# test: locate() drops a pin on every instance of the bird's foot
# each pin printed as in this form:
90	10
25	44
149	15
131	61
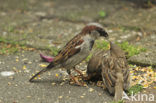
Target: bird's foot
81	74
76	81
46	58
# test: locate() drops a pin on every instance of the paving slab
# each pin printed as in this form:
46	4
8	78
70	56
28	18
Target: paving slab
49	89
147	58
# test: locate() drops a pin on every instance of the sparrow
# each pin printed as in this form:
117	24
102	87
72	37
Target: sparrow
115	71
94	66
76	50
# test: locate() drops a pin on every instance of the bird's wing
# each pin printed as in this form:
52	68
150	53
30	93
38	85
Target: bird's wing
106	72
71	48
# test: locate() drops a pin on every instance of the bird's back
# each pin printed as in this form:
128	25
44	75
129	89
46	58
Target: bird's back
115	71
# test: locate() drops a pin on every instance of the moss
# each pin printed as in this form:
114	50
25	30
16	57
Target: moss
102	14
131	49
128	48
135	89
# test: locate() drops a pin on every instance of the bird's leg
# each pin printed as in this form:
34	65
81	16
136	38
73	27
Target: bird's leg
78	71
73	78
83	77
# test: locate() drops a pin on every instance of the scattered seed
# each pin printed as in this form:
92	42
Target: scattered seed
53	83
99	94
56	75
28	96
9	83
24	67
29	62
43	65
83	94
17	59
60	97
62	83
91	89
35	78
49	73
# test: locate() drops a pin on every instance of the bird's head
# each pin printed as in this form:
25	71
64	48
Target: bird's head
116	50
95	30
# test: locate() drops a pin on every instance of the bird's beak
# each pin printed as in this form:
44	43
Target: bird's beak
103	33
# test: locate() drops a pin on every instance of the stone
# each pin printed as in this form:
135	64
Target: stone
144	59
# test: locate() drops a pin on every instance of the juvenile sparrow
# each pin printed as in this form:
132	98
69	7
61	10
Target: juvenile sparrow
76	50
115	71
94	66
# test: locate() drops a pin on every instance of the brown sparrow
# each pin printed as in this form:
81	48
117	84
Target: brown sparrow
115	71
76	50
94	66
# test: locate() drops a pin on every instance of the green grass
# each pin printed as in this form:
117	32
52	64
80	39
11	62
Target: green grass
3	40
128	48
53	50
101	44
135	89
9	46
102	14
120	101
131	49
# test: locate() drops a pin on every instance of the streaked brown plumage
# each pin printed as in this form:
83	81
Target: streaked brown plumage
113	67
115	71
76	50
94	66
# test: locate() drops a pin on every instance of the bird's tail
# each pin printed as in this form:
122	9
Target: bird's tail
50	66
119	87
